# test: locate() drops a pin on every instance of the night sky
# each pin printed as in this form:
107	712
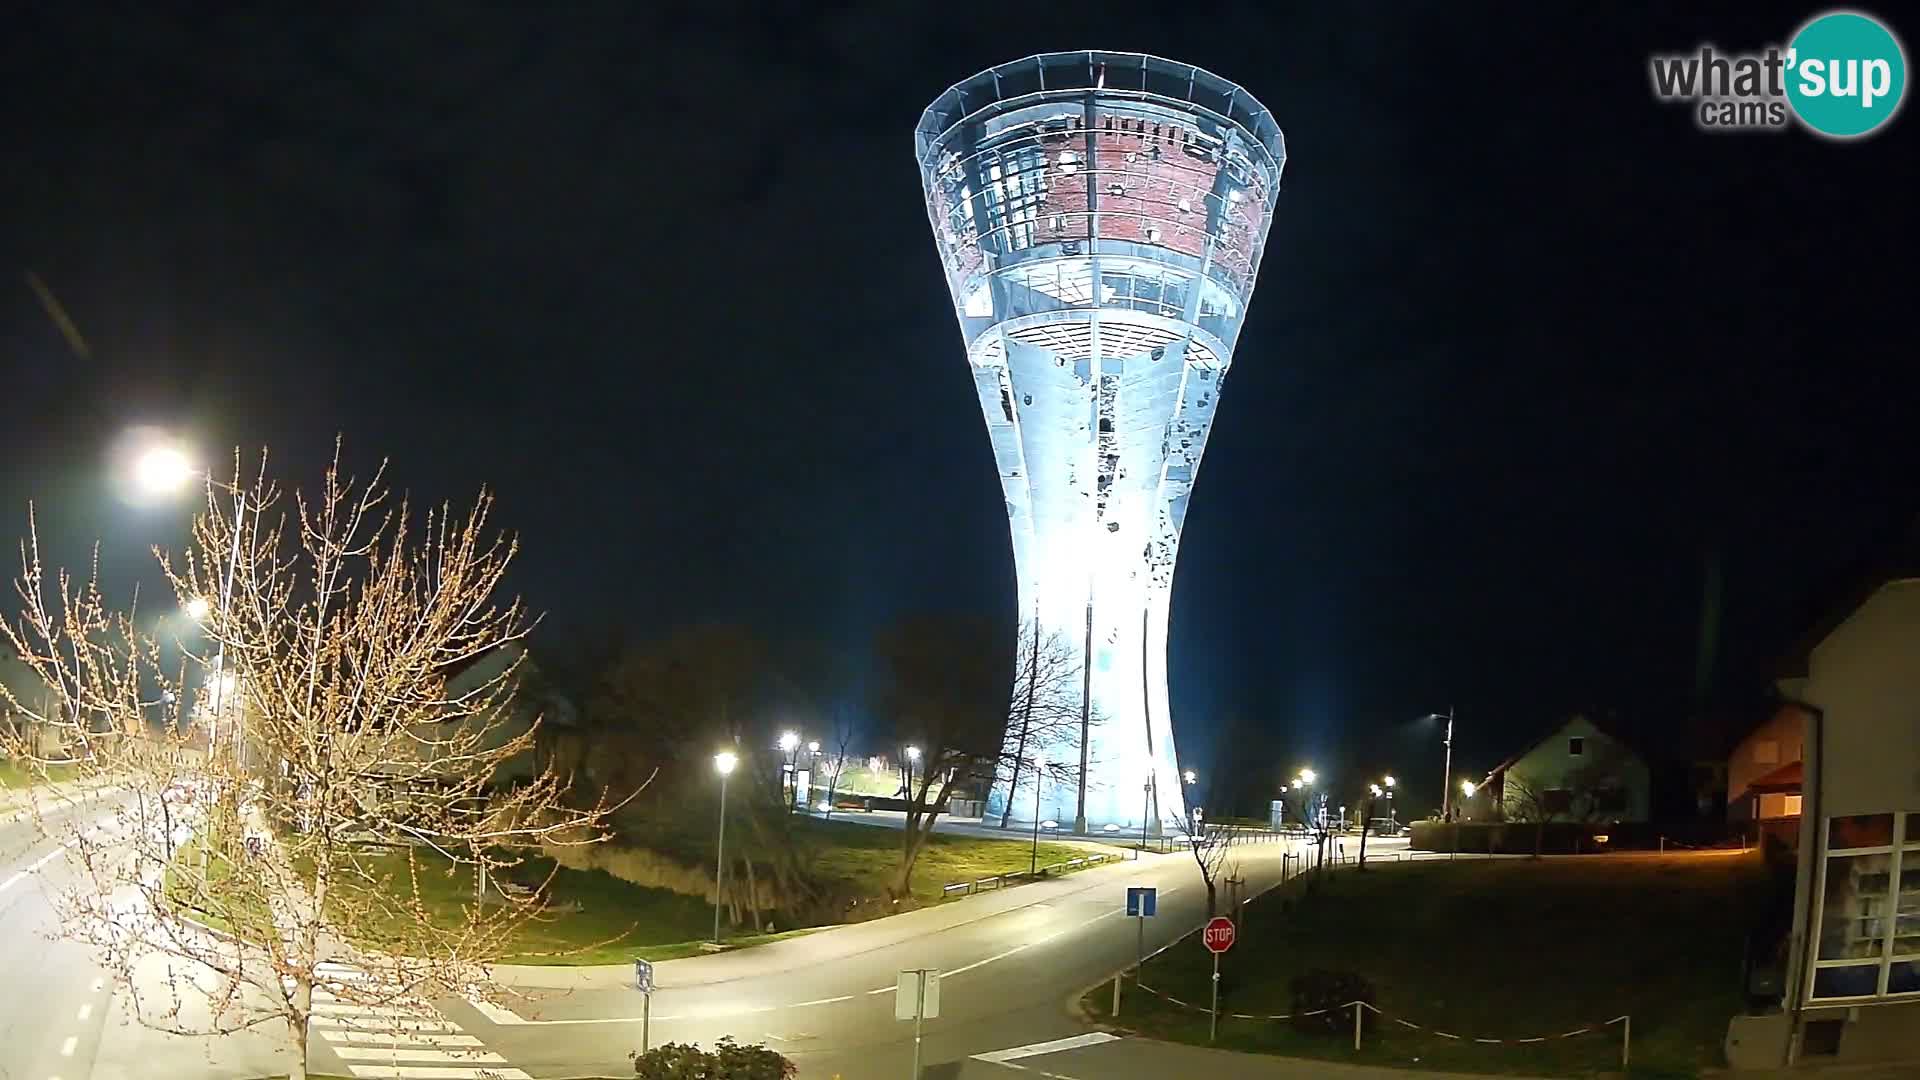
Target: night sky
1528	352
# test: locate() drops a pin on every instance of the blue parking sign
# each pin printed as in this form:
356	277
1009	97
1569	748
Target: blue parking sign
1141	900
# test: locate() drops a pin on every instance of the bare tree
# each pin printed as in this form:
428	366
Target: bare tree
842	739
1044	709
1528	800
1210	846
293	782
943	691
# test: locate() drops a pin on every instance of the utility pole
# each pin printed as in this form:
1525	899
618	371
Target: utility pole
1446	781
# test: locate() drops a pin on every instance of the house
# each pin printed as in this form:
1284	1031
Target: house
1764	772
1580	772
1851	989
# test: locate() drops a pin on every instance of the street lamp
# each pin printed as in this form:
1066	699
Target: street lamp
813	747
1306	778
1376	790
1190	777
1467	788
723	763
913	756
1446	775
165	469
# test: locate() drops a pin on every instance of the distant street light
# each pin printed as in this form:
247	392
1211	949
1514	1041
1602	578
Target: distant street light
1306	778
197	608
813	747
913	753
1190	777
1390	781
1467	788
1376	790
723	763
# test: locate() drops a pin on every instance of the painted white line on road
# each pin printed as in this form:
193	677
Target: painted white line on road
398	1012
440	1073
66	1048
85	1011
1091	1038
37	864
398	1038
499	1014
412	1055
383	1026
820	1001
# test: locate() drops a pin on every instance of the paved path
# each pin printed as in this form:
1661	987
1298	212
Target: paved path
1105	1057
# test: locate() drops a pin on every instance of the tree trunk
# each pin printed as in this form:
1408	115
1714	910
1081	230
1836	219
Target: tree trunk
1364	822
1213	907
1026	726
297	1026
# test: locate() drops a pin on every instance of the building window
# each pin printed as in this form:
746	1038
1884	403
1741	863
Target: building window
1766	752
1576	746
1556	800
1868	913
1791	807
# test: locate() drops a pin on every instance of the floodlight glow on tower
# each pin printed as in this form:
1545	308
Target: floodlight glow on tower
1101	218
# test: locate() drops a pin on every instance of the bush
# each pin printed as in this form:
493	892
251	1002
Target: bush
1325	993
726	1061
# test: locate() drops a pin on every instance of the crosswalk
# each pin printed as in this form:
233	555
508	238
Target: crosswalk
402	1040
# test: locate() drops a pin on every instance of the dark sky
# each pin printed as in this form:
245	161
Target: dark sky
1527	349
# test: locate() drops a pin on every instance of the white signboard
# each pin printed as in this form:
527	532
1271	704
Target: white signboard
917	996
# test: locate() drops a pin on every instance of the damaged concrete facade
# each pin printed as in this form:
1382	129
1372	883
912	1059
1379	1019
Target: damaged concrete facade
1101	218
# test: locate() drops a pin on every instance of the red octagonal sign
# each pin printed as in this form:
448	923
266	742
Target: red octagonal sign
1218	936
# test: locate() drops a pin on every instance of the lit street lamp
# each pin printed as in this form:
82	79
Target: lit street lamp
1190	777
1467	788
913	756
723	763
165	470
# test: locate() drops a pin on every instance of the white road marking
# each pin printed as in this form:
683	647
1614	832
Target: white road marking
412	1054
398	1038
85	1011
399	1012
821	1001
1091	1038
66	1048
499	1014
369	1023
440	1071
37	864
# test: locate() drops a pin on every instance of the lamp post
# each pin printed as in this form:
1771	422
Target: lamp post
1446	776
789	742
166	470
1390	782
723	763
913	756
1039	767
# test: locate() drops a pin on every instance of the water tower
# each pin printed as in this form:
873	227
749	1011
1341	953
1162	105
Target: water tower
1101	218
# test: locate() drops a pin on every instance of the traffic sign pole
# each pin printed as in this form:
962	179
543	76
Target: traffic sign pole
646	1020
1213	1025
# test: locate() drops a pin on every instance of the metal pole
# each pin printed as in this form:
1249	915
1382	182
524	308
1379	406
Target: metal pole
1140	947
1626	1042
720	859
1146	807
1213	1023
646	1020
1357	1007
1446	780
919	1008
1033	864
1116	998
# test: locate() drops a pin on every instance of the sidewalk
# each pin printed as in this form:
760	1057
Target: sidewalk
130	1050
1135	1058
823	946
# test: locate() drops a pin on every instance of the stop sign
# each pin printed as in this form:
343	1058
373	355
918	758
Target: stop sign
1218	936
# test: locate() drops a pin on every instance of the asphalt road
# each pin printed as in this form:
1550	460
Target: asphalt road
53	999
1010	963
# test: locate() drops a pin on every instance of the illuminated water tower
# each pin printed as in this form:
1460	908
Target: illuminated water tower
1101	218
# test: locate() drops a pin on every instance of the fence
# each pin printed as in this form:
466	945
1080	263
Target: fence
1293	865
1001	881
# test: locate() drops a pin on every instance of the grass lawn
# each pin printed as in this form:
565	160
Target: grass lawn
14	774
1504	949
616	921
863	857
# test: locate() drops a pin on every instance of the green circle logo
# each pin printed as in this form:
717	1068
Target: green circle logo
1846	74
